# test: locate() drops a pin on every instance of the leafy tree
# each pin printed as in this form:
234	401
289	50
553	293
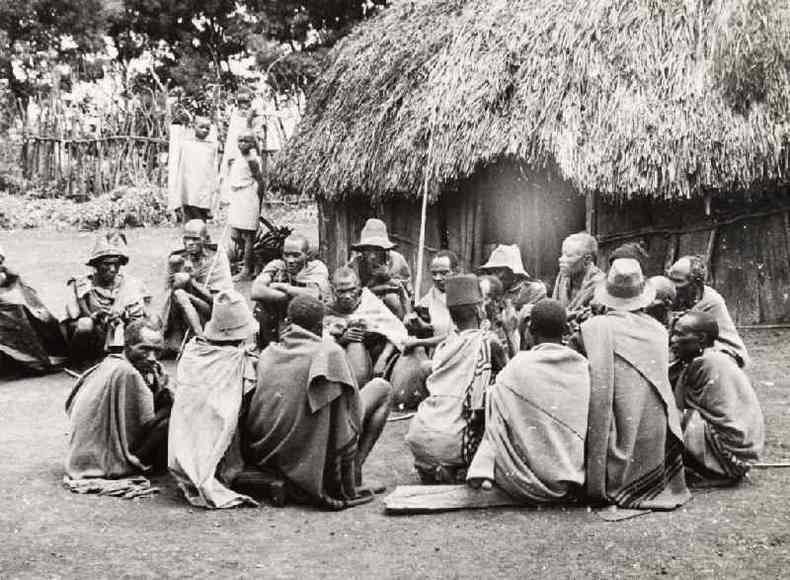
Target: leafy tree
37	34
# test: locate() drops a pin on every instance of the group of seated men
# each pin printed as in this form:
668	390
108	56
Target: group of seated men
561	399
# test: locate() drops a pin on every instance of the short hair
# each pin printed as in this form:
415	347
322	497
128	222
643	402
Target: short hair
306	311
301	238
496	290
548	318
634	251
703	322
698	270
451	256
133	332
665	289
588	242
463	312
344	273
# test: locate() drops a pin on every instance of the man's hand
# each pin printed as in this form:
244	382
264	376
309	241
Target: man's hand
352	334
281	286
181	279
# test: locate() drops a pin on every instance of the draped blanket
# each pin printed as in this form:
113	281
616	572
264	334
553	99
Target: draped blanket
457	385
723	425
436	303
305	416
729	340
196	179
29	333
377	317
536	426
108	410
576	302
211	381
634	440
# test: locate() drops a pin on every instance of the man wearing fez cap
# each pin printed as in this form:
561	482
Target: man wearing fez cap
448	426
634	440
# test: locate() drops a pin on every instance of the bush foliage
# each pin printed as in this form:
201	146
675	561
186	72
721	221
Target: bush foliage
123	207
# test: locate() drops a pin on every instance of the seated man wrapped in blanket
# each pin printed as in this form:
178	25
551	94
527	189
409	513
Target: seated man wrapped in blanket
536	418
723	425
363	326
119	411
634	440
308	423
214	374
29	334
444	434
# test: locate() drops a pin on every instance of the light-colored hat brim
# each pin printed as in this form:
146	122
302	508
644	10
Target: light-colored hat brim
211	332
382	243
519	271
644	299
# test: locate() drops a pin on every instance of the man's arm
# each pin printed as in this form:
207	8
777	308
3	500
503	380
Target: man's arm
292	291
263	290
381	363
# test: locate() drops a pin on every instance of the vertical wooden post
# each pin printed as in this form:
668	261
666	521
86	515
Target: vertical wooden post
709	252
589	213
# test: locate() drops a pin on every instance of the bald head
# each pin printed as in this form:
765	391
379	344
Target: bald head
195	229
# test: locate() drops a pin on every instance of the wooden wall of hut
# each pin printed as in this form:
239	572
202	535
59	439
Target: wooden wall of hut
502	204
745	243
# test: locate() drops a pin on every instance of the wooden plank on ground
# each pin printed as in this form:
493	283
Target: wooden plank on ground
422	499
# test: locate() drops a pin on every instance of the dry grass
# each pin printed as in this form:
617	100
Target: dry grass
630	98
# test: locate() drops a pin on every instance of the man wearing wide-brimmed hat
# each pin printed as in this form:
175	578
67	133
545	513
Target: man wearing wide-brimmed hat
381	268
448	426
521	291
634	439
214	373
102	302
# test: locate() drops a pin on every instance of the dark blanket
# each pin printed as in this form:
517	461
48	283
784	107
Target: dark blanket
29	334
305	417
634	439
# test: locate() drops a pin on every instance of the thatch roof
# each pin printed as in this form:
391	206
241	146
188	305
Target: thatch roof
664	98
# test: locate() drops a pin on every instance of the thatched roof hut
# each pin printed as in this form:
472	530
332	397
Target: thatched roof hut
621	101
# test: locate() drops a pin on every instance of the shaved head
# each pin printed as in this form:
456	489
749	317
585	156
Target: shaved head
700	322
195	229
548	319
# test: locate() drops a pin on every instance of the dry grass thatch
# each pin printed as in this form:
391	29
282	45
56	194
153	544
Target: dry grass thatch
660	98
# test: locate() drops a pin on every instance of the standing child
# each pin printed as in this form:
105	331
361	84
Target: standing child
196	179
244	198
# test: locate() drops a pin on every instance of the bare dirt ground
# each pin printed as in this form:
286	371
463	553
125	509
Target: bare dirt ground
47	532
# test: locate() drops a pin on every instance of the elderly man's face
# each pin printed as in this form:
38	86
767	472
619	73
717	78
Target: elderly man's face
440	270
107	270
193	244
680	275
294	255
347	294
685	340
144	354
572	261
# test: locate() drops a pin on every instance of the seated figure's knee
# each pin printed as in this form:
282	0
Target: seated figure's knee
379	390
181	296
84	325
